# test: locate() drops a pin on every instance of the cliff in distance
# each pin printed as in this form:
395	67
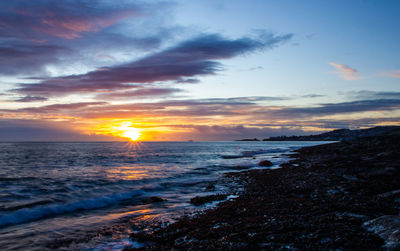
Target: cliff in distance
342	134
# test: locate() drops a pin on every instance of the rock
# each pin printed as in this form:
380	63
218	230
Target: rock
231	156
200	200
153	199
388	228
210	187
255	139
350	177
265	163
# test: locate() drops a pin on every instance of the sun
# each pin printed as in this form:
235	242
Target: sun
132	133
126	130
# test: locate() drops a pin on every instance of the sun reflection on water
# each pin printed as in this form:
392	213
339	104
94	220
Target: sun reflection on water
129	173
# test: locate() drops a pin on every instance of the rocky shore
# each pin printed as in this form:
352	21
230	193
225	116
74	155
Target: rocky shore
344	196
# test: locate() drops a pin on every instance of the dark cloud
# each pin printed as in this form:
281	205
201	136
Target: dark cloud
188	80
188	59
40	19
244	100
105	42
313	96
28	58
291	113
67	108
175	108
341	108
140	93
244	107
40	33
355	123
68	85
30	99
374	95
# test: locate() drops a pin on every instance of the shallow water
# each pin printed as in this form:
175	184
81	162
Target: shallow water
66	193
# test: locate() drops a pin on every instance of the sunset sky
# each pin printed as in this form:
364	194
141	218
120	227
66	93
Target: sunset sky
201	70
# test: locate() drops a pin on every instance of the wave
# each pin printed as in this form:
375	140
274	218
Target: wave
248	154
33	214
26	205
17	178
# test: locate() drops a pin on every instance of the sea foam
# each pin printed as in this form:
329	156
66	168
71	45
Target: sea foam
27	215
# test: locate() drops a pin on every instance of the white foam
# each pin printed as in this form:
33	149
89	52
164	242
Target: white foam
32	214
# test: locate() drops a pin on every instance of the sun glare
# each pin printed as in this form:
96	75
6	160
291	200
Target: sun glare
132	133
128	131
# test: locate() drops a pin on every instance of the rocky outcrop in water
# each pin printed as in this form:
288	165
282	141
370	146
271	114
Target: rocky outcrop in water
265	163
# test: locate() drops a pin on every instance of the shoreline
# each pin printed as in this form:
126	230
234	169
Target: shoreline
332	196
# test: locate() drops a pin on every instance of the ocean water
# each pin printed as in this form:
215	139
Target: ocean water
86	196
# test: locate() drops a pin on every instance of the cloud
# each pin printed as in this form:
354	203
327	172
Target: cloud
176	108
239	108
34	130
40	19
374	95
256	68
232	118
391	74
194	57
139	94
187	80
242	100
345	72
313	96
218	132
28	58
338	108
357	123
27	99
68	85
59	107
40	37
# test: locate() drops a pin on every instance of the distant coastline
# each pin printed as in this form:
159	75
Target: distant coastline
255	139
337	135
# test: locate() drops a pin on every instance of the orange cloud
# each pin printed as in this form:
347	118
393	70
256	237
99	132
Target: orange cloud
345	72
391	74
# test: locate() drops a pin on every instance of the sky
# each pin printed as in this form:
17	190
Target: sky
196	70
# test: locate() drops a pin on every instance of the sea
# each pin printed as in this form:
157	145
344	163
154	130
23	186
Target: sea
93	195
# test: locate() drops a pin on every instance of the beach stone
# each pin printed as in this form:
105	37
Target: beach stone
153	199
200	200
265	163
388	228
210	187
